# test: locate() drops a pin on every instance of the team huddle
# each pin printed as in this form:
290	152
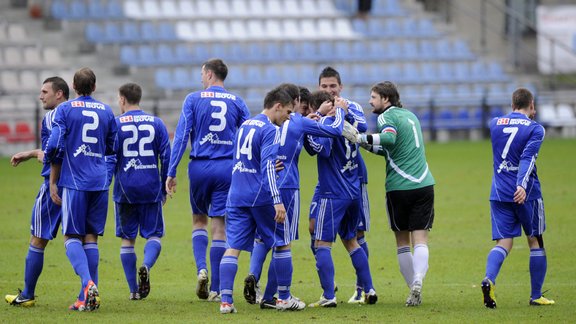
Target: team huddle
244	184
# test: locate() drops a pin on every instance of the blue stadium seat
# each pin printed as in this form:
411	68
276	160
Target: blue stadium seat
360	26
445	119
410	50
78	10
182	54
237	51
128	55
253	75
220	50
148	31
387	8
59	9
166	31
411	73
308	50
97	10
94	33
163	79
130	32
182	79
273	52
146	55
112	33
165	55
115	9
289	50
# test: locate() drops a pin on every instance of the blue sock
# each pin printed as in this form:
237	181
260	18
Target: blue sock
32	271
152	250
257	259
93	257
538	266
216	252
199	246
283	269
494	263
272	284
360	263
325	267
312	244
128	259
364	246
77	257
228	269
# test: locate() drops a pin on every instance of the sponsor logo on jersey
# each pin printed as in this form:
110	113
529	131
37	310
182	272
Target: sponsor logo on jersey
77	104
213	139
206	94
503	121
239	166
95	105
143	118
137	165
224	95
126	119
506	166
524	122
87	151
254	122
349	167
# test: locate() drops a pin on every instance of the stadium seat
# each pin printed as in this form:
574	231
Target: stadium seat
170	9
28	80
220	30
202	30
166	31
23	133
97	10
78	10
9	81
204	8
114	9
32	56
5	132
52	56
290	29
165	55
547	115
59	9
13	56
273	29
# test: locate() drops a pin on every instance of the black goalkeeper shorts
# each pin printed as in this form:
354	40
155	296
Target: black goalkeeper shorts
410	210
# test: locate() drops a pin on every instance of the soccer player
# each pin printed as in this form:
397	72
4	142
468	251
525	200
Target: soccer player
83	133
210	118
409	182
330	81
46	215
338	211
255	203
139	190
516	196
292	138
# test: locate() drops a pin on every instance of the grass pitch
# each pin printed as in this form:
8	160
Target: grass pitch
459	243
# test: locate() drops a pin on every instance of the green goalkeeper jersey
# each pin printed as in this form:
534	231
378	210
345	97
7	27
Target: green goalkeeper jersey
400	137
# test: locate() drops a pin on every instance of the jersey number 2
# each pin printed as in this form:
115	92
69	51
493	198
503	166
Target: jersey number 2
134	138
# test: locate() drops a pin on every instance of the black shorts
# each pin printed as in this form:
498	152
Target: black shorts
410	210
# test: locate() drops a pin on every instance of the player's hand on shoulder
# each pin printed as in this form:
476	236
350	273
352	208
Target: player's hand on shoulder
341	103
314	116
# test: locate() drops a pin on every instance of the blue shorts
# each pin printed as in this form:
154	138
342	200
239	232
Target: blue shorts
209	185
291	200
46	215
243	222
364	224
508	218
313	213
147	217
337	216
84	212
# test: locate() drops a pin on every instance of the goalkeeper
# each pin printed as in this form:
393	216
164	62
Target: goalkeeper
409	182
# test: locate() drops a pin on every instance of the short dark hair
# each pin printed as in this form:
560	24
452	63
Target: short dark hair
58	84
521	98
132	92
318	97
277	95
304	95
291	89
218	67
84	81
388	90
330	72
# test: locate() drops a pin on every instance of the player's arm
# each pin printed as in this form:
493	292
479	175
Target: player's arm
376	149
244	113
356	117
268	154
164	156
181	136
387	137
320	129
528	162
54	177
20	157
56	139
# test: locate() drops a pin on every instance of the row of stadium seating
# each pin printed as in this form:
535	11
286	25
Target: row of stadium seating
193	9
263	29
255	75
360	51
20	132
21	81
29	56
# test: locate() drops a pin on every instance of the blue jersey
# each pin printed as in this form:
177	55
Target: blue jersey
253	175
291	139
337	166
210	118
355	116
516	140
142	144
45	131
83	132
